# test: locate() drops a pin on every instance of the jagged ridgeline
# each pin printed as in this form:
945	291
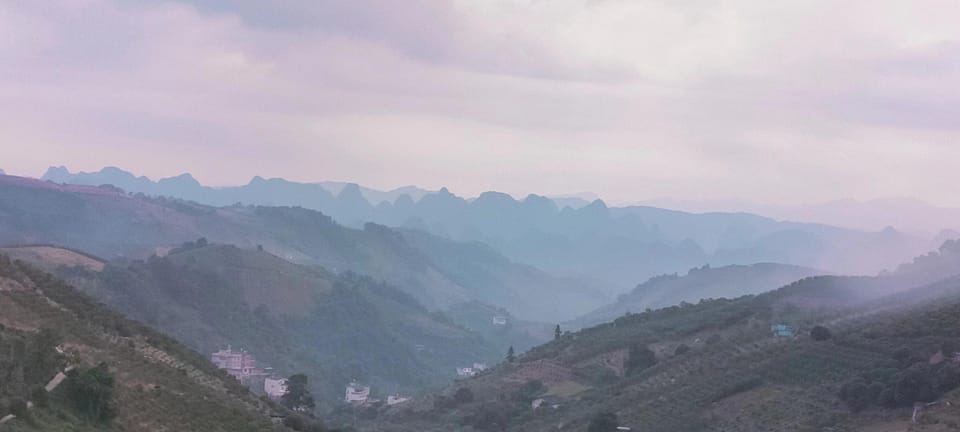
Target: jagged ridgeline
438	272
70	363
824	353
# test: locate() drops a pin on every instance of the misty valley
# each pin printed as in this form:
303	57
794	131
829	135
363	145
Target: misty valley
479	216
403	314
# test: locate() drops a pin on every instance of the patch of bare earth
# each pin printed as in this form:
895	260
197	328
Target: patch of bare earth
548	372
54	256
614	360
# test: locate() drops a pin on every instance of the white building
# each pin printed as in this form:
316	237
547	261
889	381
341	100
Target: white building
466	372
499	320
357	393
397	399
275	388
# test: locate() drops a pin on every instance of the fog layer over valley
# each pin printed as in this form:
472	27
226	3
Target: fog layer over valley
448	307
614	247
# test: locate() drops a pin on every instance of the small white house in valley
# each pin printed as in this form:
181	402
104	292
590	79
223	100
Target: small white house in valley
274	388
396	399
357	393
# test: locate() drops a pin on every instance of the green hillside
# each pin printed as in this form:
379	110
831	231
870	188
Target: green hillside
124	375
491	278
699	283
334	328
716	366
109	223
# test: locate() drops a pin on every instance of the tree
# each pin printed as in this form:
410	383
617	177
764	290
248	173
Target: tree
297	397
857	395
681	349
556	332
43	360
529	391
510	355
913	385
639	357
604	422
949	348
91	392
820	333
463	396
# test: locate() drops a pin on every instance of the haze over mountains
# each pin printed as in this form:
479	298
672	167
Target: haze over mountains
110	223
400	294
613	246
906	214
699	283
852	354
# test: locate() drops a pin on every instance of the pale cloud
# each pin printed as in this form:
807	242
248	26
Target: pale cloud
784	101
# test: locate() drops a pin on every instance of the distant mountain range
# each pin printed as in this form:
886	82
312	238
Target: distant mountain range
438	272
905	214
615	247
698	284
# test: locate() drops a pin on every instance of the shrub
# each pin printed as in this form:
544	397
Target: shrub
639	358
714	339
820	333
301	424
18	407
529	391
91	392
604	422
39	397
463	396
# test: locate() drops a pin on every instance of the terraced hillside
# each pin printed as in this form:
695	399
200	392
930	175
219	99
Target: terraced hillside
334	328
882	345
120	374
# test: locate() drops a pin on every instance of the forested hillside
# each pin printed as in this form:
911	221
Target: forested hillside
848	354
613	245
114	373
335	328
699	283
109	223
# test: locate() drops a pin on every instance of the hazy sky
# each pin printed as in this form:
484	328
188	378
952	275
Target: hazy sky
782	101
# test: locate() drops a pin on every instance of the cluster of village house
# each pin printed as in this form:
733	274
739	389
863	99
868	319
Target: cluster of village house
243	366
469	371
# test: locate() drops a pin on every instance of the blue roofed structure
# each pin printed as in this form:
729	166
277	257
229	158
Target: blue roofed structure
782	330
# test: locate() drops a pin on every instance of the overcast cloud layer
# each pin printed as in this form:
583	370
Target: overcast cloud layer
785	101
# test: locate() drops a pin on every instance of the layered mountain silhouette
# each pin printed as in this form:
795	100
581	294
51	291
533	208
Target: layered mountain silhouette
438	272
822	353
698	284
609	245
